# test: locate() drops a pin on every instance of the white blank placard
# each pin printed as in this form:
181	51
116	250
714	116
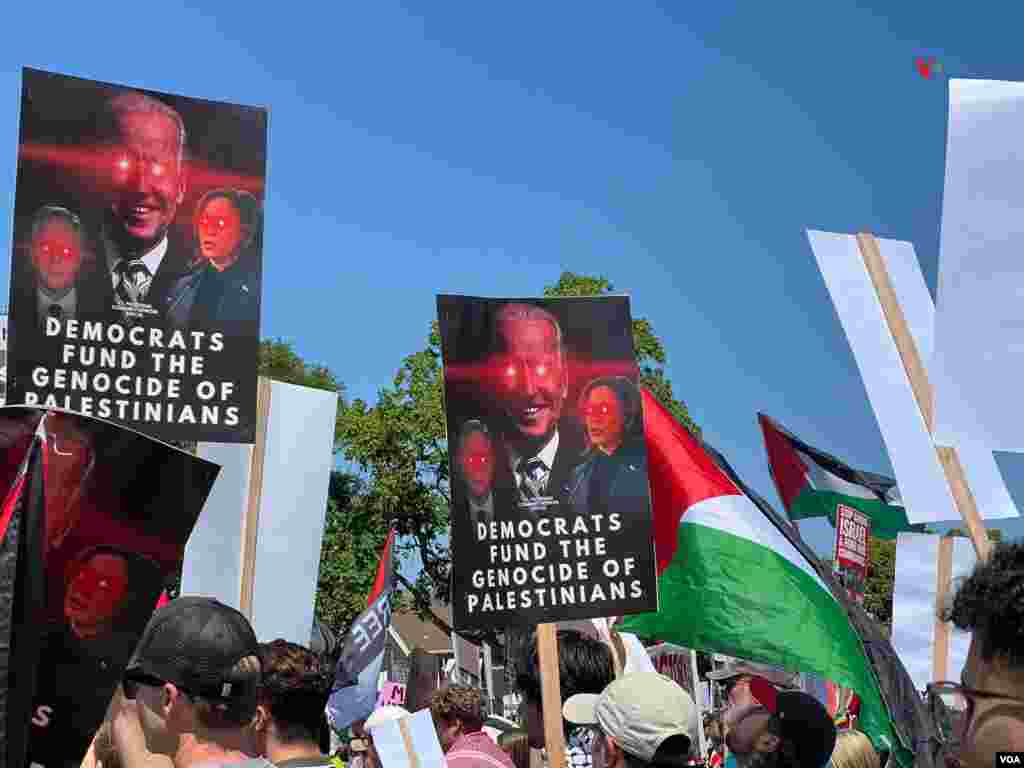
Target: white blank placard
914	609
979	331
983	475
297	463
919	475
213	556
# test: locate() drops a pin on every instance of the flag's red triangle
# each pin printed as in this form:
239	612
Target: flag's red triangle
384	570
788	471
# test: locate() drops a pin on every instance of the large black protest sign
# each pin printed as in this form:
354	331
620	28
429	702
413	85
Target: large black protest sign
93	525
551	514
136	271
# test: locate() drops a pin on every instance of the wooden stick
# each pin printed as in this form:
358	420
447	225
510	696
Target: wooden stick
551	694
410	750
944	573
251	521
922	389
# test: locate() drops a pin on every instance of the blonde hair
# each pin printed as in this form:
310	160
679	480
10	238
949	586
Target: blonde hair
234	713
854	750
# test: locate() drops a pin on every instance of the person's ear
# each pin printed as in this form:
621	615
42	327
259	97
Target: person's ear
261	720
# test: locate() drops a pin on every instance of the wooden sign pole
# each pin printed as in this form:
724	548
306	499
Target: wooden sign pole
944	573
551	694
414	760
251	521
922	389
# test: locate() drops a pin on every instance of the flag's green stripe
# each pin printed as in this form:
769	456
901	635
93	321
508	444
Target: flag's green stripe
725	594
886	520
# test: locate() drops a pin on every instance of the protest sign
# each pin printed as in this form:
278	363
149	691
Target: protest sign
408	742
136	269
94	523
851	549
392	694
551	514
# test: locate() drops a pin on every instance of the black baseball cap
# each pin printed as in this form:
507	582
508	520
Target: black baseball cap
194	643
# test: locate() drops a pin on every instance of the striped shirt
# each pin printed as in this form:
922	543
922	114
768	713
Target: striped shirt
477	750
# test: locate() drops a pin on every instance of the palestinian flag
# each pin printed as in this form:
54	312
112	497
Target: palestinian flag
811	483
734	580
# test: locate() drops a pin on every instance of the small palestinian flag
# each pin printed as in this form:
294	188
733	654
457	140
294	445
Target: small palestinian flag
812	483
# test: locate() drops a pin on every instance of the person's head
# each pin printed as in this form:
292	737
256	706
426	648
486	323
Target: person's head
610	407
641	719
534	374
790	729
95	589
516	745
195	675
380	716
854	750
56	248
584	666
735	678
990	605
226	223
476	458
292	700
457	710
147	139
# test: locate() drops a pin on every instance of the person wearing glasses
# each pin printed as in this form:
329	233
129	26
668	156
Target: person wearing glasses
984	713
191	690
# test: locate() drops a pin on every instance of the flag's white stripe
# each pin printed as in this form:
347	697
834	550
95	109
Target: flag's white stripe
823	480
739	516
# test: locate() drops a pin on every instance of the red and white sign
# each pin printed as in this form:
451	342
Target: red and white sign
852	528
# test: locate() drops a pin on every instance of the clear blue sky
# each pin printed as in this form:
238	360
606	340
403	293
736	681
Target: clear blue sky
679	149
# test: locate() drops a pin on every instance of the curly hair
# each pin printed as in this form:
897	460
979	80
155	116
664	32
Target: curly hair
458	702
990	603
296	685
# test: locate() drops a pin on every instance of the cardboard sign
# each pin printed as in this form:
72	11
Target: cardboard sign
551	512
409	742
94	522
391	694
136	271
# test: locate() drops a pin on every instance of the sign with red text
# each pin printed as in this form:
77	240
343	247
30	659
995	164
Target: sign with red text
851	549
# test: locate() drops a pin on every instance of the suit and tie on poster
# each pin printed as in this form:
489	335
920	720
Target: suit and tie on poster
551	513
93	525
136	272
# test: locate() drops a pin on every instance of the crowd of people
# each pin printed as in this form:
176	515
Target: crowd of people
200	690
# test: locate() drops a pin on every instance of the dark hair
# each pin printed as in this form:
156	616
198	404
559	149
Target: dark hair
295	687
144	580
584	666
626	393
990	603
247	205
458	702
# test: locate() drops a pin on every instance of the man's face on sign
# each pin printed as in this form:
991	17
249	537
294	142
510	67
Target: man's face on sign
149	182
95	590
477	459
533	375
57	254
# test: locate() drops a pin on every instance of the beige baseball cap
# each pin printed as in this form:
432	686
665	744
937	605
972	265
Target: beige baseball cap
640	711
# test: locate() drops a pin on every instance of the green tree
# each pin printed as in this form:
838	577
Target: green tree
879	583
400	443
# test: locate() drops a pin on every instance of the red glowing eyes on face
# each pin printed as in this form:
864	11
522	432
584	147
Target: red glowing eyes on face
539	370
124	166
597	411
207	223
477	460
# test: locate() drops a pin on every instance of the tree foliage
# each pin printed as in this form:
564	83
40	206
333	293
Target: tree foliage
400	444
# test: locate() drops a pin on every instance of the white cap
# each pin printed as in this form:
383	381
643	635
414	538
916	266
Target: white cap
384	714
638	710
